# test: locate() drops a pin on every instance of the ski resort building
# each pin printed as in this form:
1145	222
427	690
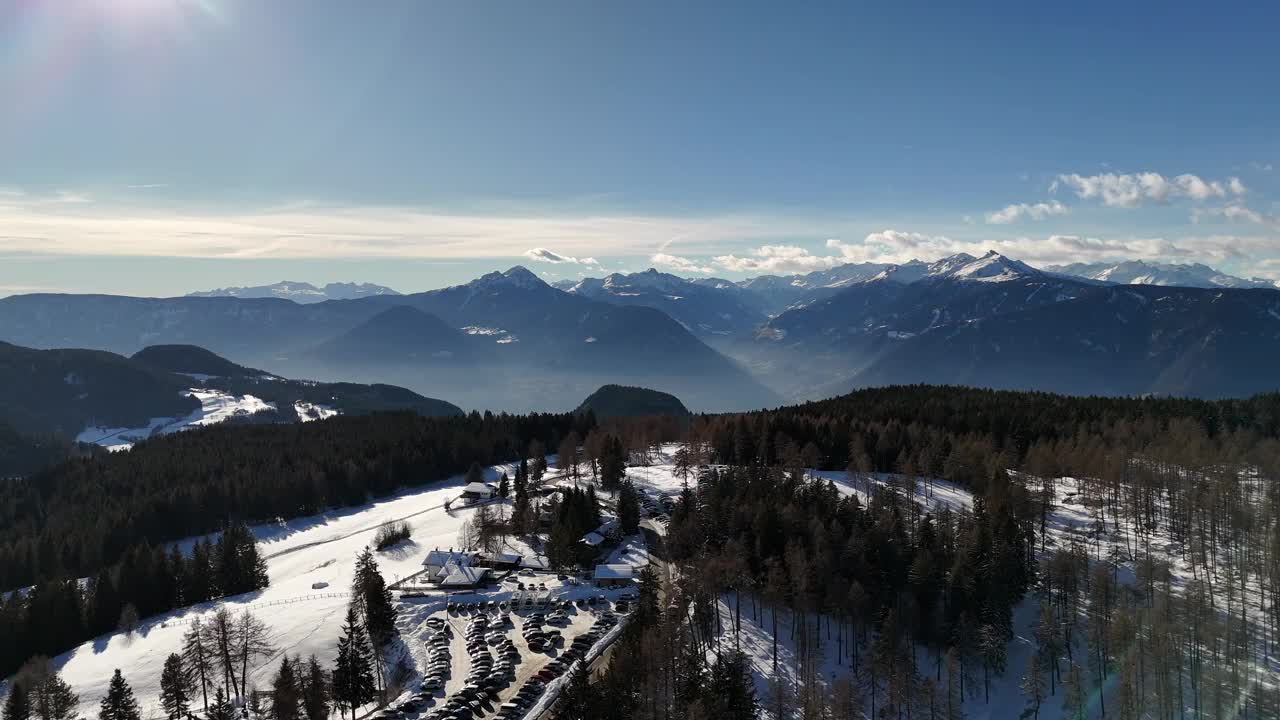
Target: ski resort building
610	576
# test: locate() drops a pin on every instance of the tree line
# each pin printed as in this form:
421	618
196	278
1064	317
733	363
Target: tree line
54	616
87	513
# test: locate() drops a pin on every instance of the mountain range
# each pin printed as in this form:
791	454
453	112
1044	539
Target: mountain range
509	341
506	340
301	292
1140	272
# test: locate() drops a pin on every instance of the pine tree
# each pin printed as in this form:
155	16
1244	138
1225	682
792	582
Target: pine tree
315	691
119	702
53	698
221	708
375	599
285	694
730	692
628	507
175	688
353	683
17	706
579	700
504	485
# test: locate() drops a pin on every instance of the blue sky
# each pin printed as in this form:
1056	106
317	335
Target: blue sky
161	146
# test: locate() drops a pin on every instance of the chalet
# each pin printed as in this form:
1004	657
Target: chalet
607	576
462	576
437	560
478	491
594	539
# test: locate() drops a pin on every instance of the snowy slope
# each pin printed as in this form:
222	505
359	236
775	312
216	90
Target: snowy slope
304	620
215	407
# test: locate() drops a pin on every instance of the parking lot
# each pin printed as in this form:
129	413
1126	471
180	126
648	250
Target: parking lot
491	653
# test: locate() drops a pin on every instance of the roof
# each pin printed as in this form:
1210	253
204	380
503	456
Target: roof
464	575
501	557
613	572
445	557
478	488
593	538
608	527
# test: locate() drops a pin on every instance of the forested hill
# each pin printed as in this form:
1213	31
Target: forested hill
967	434
623	401
191	483
191	359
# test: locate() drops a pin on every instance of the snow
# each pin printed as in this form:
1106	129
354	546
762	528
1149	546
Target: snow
312	411
302	554
310	562
215	407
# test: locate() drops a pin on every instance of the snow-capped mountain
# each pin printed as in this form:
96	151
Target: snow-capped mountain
1141	272
301	292
721	309
778	292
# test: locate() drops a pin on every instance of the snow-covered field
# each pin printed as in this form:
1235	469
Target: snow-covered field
215	407
310	562
302	553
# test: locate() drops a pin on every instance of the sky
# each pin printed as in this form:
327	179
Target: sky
156	147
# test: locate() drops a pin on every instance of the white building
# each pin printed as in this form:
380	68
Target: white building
613	575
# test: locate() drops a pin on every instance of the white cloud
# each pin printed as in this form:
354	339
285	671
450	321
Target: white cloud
1134	189
679	264
545	255
777	259
1026	211
1235	211
71	224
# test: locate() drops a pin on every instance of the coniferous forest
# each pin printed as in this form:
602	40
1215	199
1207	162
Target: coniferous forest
111	517
916	603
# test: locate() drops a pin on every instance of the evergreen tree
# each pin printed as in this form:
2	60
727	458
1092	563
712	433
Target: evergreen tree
175	688
613	463
628	507
730	692
221	708
285	693
504	486
579	699
53	698
17	706
353	683
119	702
315	691
375	599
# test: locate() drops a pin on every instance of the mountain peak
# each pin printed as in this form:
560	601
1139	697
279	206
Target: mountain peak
517	276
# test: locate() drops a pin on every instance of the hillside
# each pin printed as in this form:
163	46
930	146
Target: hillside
63	391
191	360
104	399
622	401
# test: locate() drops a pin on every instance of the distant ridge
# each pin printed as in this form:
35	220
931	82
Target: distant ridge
301	292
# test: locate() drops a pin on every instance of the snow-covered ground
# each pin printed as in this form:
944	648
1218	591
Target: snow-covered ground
310	562
301	554
215	407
